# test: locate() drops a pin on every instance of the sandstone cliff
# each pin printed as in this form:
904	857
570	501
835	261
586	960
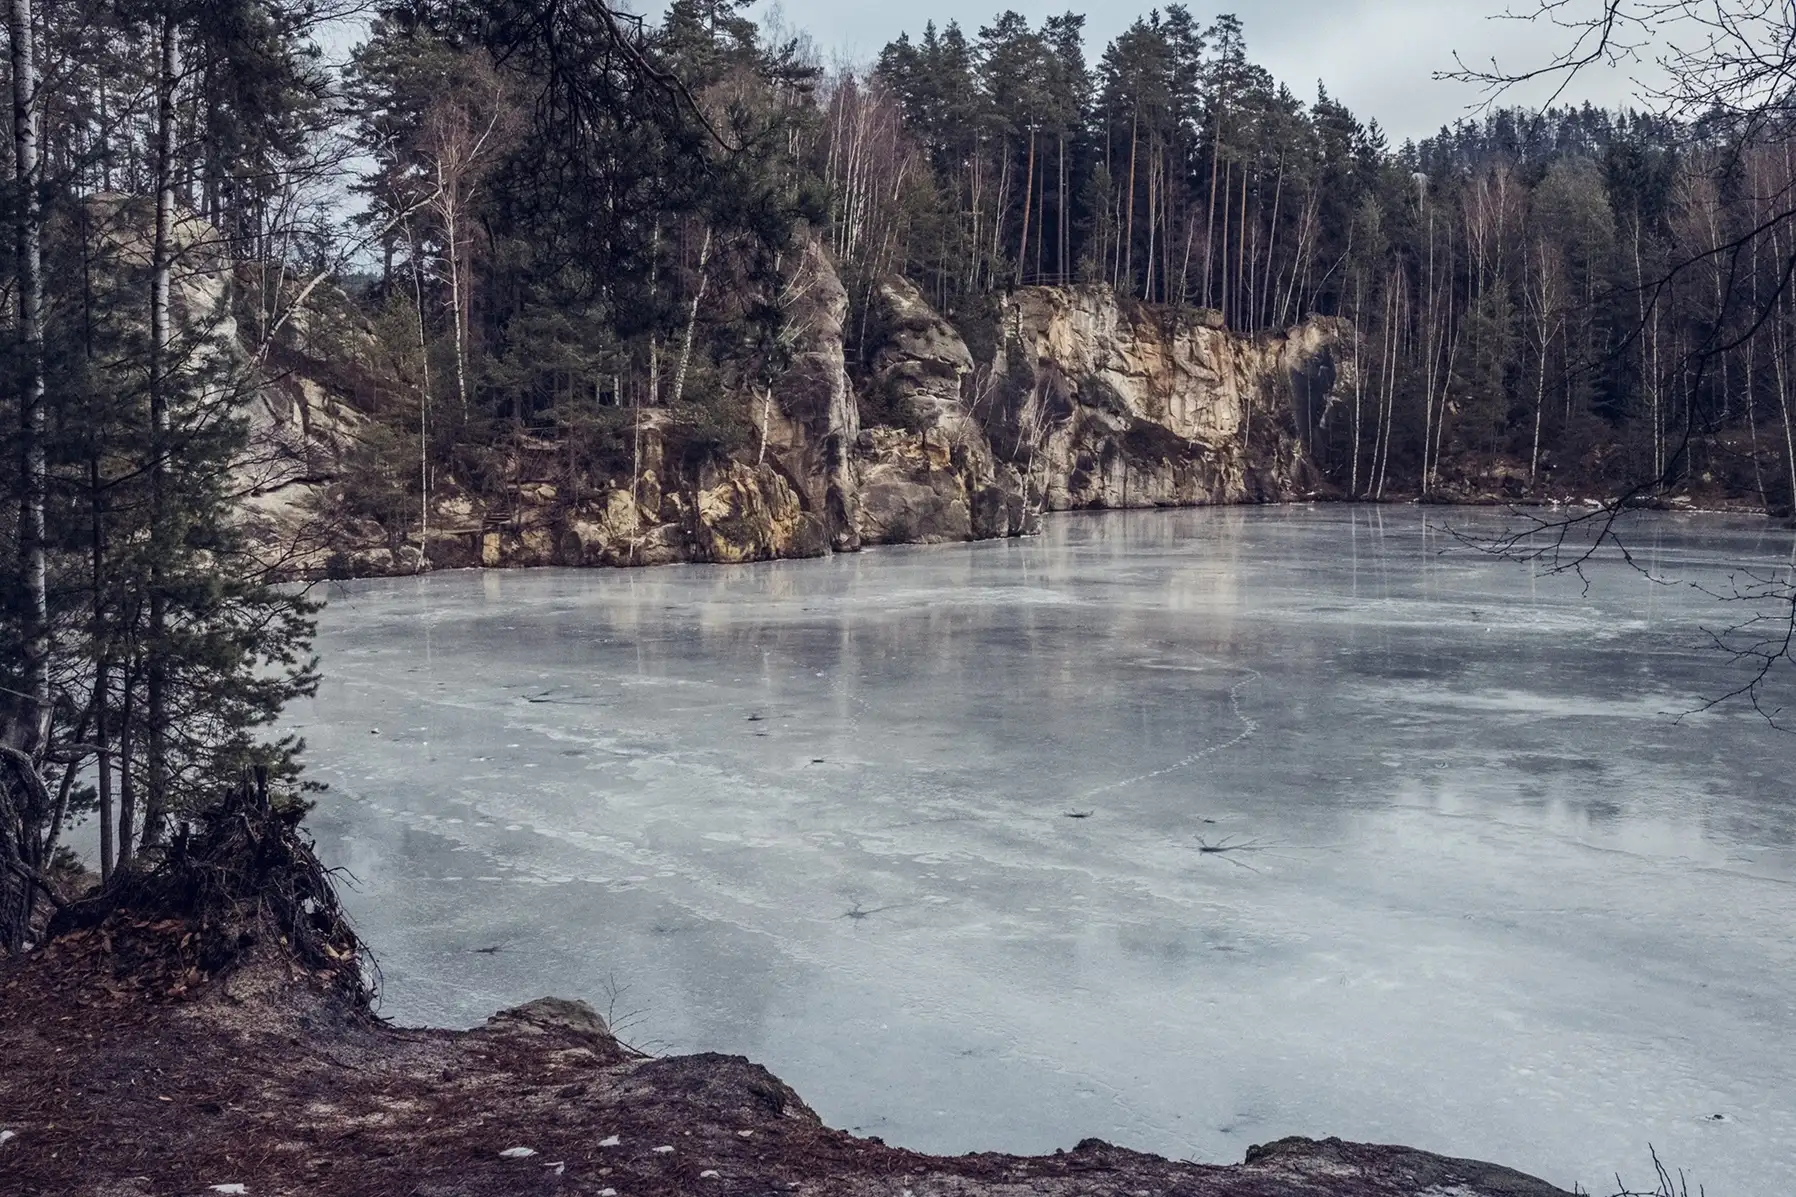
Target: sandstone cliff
927	472
1103	402
1086	400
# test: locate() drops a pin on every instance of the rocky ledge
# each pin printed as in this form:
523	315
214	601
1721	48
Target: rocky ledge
204	1025
1081	399
264	1083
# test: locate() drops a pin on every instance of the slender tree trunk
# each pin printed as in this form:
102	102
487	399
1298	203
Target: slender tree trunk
457	304
1041	216
1271	279
1241	257
1022	249
1153	169
64	787
698	297
1167	240
1780	364
1783	402
1646	370
1210	230
1359	311
423	403
105	132
1228	192
766	419
102	671
1752	345
999	208
162	254
127	773
654	338
1253	266
1540	408
1451	355
1062	268
1783	390
1394	311
33	728
1432	319
1129	227
1543	301
1183	296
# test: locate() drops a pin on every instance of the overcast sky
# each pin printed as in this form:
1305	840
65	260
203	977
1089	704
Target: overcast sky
1378	56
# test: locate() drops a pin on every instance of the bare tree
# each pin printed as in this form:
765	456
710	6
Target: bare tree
463	131
1731	66
1542	292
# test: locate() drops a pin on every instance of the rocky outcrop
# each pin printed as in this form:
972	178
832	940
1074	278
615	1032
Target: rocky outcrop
1087	400
791	492
540	1101
734	513
1104	402
297	379
304	423
808	418
928	474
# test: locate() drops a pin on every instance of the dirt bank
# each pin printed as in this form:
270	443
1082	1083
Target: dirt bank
121	1077
204	1025
117	1088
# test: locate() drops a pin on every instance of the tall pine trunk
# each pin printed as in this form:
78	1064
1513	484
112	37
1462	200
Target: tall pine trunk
1022	249
155	812
1227	197
1063	243
127	777
34	611
102	664
1243	299
1129	225
458	307
1359	312
423	401
1780	366
1210	230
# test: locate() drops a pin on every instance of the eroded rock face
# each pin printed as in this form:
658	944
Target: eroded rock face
810	421
928	474
1088	401
734	513
1103	402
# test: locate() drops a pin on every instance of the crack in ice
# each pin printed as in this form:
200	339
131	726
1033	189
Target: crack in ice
1249	728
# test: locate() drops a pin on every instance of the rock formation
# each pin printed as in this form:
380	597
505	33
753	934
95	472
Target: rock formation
1087	400
1104	402
540	1101
927	473
813	402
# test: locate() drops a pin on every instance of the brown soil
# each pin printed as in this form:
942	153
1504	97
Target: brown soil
203	1024
140	1080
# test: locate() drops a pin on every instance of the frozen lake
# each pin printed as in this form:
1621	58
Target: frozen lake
1490	897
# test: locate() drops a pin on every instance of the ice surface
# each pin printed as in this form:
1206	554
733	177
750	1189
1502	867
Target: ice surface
1494	898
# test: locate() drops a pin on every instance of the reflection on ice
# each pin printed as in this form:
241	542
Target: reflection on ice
1500	901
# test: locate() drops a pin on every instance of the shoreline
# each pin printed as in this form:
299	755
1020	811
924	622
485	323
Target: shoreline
1570	505
265	1077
